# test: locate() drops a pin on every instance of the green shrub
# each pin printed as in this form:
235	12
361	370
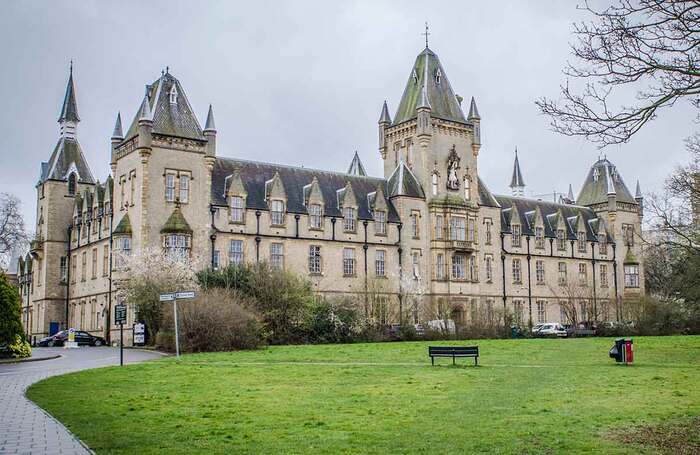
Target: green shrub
333	321
230	277
11	329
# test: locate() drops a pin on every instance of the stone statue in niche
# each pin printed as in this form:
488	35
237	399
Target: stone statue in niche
452	168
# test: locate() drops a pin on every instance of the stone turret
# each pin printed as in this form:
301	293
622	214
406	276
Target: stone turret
384	122
210	133
475	119
117	136
145	124
640	199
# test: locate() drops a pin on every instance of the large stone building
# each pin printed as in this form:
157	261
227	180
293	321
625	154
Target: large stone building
427	240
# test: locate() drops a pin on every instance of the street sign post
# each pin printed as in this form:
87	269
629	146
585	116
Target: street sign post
173	297
120	318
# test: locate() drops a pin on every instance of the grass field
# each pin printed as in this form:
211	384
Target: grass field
527	396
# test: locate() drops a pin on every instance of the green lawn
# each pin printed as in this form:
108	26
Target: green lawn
527	396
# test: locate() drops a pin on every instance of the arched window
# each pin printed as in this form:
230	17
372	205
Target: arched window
438	76
173	95
435	184
71	184
467	188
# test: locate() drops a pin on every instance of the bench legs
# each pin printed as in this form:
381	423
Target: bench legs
432	360
453	359
476	361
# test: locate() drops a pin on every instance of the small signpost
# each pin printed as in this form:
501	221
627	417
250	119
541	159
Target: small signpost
139	334
120	318
173	297
71	339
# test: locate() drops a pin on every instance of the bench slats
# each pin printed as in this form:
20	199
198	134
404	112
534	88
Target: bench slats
453	351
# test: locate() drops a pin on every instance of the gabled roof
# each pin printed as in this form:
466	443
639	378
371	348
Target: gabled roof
603	179
69	110
439	96
171	119
526	209
255	174
176	223
124	226
356	167
67	157
402	182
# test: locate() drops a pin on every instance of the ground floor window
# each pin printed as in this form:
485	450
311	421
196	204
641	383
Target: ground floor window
631	276
518	311
541	311
177	245
314	259
235	253
349	262
379	263
277	255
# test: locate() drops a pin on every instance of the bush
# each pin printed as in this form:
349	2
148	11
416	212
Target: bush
333	321
230	277
11	329
216	320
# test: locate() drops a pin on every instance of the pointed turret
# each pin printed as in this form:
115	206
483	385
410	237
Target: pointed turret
517	184
473	111
356	167
210	133
638	192
117	134
145	108
639	198
385	118
68	120
428	86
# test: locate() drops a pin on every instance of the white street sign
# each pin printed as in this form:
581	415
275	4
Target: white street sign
184	295
167	297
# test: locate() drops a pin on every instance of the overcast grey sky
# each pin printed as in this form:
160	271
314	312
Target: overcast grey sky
303	82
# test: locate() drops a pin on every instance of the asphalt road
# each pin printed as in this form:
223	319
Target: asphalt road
26	428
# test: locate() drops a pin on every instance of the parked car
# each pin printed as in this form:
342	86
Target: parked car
82	338
553	329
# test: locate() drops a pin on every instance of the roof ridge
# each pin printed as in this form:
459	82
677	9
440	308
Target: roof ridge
301	168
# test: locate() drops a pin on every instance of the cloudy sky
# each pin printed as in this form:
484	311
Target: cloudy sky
302	82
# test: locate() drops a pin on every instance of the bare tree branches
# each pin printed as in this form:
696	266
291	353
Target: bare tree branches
12	233
650	46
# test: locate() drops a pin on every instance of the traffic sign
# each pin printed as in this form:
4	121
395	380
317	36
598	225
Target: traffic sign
185	295
167	297
120	313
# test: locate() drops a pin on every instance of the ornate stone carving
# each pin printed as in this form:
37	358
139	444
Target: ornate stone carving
452	168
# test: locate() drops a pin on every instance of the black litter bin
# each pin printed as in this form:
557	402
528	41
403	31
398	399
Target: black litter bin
622	350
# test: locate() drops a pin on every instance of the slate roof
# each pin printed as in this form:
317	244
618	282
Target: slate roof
169	119
67	156
124	226
517	179
440	96
254	176
402	182
526	209
356	167
176	223
486	198
604	179
69	110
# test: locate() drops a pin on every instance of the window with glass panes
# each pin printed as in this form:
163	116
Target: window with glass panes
539	272
380	263
415	227
631	276
439	227
488	223
457	228
459	267
105	260
63	271
277	255
169	188
517	271
184	188
315	259
349	219
582	242
562	273
561	241
489	268
603	275
440	266
380	222
415	255
349	261
315	218
518	311
216	260
541	311
237	209
177	245
235	252
471	230
582	274
603	244
539	237
516	239
277	212
473	270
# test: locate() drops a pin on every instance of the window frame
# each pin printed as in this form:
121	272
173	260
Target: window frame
349	219
277	255
236	212
349	262
315	261
380	222
236	257
380	263
315	212
277	212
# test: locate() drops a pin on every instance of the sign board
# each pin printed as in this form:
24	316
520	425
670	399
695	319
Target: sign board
167	297
71	335
120	314
185	295
139	333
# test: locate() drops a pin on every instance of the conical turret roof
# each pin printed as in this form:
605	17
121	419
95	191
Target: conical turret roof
210	126
604	180
117	133
69	110
385	117
438	94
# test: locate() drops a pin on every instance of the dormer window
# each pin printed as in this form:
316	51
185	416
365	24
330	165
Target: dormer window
438	76
467	188
173	95
349	219
415	76
435	183
516	236
71	184
596	174
277	212
539	237
237	209
315	217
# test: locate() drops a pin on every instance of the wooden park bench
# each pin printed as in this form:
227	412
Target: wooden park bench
454	352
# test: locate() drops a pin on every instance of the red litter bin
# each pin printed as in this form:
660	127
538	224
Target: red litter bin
629	351
623	351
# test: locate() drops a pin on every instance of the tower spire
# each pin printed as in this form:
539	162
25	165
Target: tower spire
209	125
68	120
426	34
385	117
517	184
117	133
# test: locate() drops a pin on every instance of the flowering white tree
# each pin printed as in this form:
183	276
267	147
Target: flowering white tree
142	277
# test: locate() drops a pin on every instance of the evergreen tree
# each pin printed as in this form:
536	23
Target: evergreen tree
11	330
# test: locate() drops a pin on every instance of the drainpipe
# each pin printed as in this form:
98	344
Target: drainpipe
68	278
108	338
595	301
400	250
212	237
529	282
365	247
503	271
296	220
257	236
332	228
617	297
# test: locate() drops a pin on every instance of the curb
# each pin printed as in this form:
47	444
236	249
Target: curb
36	359
135	348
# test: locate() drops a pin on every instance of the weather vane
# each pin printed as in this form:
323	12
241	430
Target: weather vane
426	34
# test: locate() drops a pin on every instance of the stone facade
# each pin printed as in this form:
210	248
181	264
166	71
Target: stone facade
427	241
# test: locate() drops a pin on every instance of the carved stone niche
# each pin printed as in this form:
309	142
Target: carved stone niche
453	161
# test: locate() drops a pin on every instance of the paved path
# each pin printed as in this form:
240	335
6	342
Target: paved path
27	429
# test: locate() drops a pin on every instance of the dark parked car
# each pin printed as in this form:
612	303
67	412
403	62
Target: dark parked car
82	338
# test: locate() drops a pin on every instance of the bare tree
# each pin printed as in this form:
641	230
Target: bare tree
13	235
648	46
